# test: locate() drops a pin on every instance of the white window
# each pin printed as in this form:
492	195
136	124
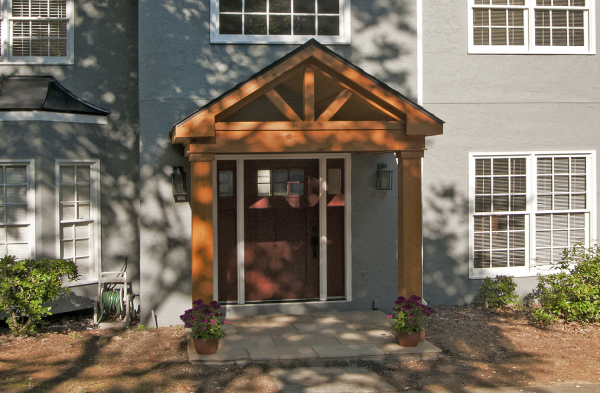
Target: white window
532	26
17	201
280	21
37	31
527	208
78	215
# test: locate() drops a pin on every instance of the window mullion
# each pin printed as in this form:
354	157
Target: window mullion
531	210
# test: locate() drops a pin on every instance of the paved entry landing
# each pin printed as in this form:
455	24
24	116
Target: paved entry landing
321	338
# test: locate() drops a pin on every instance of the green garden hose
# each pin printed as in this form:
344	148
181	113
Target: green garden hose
110	304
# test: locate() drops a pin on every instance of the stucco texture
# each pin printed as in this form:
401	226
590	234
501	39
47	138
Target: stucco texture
180	71
491	103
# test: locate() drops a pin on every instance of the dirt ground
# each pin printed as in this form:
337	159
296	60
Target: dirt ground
481	348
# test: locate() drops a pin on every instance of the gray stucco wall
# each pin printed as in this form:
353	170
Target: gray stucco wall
180	71
105	74
491	103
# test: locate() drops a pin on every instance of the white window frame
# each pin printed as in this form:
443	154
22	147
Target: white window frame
530	268
529	8
95	235
217	38
30	164
6	36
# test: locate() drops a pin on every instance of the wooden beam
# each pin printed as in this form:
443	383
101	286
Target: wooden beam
309	94
233	142
303	125
282	106
335	106
202	226
204	129
418	122
339	80
410	224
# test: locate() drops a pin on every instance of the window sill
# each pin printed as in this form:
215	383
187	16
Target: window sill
480	274
277	40
501	51
81	283
534	272
52	117
65	62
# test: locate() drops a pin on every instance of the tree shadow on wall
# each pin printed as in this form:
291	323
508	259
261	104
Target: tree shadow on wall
181	71
446	247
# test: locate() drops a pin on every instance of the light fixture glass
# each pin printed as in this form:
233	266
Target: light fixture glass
178	183
384	177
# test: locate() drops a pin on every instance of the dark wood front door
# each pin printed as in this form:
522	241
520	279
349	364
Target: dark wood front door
281	215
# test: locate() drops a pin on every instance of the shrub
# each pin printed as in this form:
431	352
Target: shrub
497	292
26	285
572	293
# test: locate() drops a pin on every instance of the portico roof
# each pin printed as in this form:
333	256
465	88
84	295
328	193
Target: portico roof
310	100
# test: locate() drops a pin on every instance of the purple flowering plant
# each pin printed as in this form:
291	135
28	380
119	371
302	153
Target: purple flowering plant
204	320
410	314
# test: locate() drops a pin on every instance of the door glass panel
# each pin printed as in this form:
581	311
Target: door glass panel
280	189
296	188
264	190
264	182
225	183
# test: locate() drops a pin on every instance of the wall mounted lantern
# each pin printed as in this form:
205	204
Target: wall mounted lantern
384	177
178	183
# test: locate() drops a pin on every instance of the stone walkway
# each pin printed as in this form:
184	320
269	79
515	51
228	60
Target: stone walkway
316	339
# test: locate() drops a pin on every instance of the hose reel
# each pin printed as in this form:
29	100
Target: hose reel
114	303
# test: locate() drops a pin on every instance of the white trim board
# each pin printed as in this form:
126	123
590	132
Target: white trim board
52	116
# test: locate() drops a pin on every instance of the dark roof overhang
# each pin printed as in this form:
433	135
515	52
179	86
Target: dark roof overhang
42	93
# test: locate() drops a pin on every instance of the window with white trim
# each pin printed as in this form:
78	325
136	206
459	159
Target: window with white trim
280	21
79	226
37	31
17	199
532	26
527	208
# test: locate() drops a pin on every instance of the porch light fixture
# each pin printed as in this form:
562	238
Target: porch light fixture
384	177
178	183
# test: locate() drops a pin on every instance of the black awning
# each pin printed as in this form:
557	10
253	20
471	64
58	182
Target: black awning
42	93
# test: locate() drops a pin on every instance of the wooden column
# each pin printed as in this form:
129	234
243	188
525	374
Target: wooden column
202	226
410	221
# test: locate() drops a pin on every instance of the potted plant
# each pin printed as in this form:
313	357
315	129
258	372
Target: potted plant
206	326
409	319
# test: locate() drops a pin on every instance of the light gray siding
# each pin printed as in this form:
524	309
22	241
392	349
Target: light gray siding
491	103
180	71
104	74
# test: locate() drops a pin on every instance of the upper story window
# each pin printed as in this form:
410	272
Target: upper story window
532	26
37	31
280	21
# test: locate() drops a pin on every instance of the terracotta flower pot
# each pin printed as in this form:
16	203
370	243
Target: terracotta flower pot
207	347
408	339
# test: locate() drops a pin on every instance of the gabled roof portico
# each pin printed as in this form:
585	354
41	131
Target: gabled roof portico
310	101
